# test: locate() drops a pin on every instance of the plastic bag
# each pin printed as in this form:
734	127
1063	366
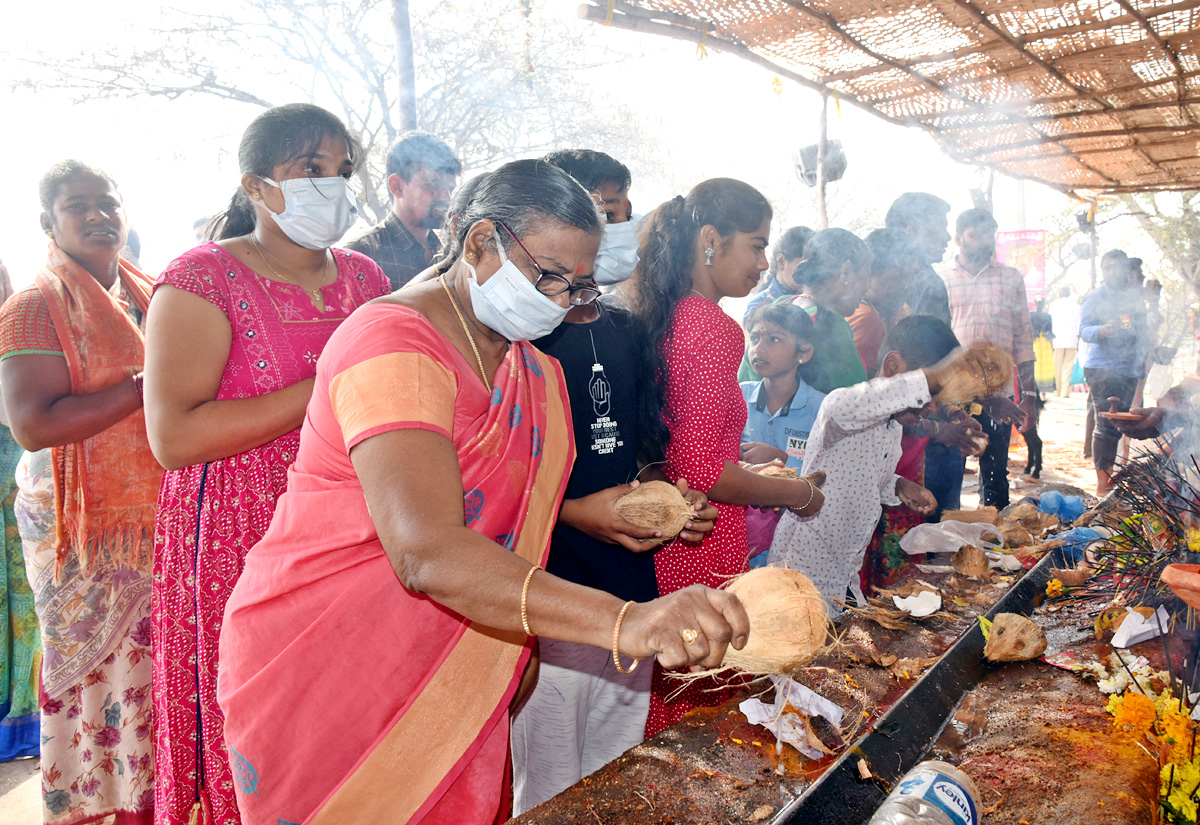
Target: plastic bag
1065	508
948	536
1158	381
1076	541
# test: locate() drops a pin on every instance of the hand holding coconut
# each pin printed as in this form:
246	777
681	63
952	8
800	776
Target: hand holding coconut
980	371
641	520
915	497
961	431
691	627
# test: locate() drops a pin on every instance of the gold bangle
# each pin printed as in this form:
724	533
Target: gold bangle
812	491
524	596
616	636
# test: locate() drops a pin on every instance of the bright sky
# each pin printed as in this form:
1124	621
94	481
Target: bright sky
720	116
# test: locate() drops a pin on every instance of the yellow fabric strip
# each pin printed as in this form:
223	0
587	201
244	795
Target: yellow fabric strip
397	386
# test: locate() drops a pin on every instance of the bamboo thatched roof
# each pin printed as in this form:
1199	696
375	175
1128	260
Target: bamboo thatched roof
1088	96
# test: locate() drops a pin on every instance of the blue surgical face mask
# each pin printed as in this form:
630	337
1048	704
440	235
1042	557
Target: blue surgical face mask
618	255
316	211
510	305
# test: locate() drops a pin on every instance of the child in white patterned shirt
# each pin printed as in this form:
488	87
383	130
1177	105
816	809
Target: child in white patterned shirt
856	443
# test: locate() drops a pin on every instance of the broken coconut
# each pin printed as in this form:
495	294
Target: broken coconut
971	561
983	370
1014	638
656	505
1015	534
788	621
777	471
924	603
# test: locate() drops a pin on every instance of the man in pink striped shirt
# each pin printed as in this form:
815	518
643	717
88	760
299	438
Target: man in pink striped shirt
988	303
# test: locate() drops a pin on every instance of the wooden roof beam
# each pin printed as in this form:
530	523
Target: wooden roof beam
1025	118
1081	28
1161	43
1099	133
1022	39
831	23
697	35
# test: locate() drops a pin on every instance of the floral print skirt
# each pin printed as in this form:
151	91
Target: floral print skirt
96	728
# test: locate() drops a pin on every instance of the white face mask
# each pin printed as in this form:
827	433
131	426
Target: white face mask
618	255
510	305
316	211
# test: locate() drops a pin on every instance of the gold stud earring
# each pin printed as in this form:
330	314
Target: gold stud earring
470	256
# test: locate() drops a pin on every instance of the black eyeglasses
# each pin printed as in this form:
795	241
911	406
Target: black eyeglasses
552	284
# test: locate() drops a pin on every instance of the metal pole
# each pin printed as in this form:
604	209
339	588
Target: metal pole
822	146
1092	240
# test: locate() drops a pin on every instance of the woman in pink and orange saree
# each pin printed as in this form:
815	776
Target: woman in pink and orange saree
378	636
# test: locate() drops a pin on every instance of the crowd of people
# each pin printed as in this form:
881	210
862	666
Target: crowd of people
299	519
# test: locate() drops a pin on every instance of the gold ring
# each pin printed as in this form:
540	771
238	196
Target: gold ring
689	636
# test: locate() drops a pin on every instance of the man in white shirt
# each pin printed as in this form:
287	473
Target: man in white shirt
1064	314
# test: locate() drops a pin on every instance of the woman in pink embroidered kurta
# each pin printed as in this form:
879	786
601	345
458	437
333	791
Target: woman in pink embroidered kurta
232	351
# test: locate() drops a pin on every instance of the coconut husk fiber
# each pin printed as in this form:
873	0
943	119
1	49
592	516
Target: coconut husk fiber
789	624
971	561
981	371
656	505
1014	638
984	515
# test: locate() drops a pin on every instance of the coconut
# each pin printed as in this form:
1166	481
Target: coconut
777	471
971	561
981	371
1072	577
1014	638
987	515
1015	534
656	505
788	621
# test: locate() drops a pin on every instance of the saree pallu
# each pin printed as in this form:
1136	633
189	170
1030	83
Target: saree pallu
106	486
347	697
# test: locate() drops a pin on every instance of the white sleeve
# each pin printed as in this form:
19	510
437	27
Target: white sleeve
862	406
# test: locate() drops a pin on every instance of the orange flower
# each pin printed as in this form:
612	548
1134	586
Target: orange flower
1135	711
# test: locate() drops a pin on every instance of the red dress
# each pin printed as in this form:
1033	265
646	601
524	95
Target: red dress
706	416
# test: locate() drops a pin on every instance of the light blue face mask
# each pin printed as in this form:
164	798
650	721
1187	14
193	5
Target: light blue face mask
510	305
618	255
316	211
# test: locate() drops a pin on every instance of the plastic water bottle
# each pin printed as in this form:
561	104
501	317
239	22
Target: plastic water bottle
932	793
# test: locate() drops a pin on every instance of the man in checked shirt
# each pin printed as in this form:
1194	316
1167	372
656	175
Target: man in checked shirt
988	303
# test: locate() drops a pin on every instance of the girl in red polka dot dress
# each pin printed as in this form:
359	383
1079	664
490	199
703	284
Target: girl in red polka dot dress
696	251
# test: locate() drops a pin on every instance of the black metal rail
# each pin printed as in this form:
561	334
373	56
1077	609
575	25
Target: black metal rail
909	728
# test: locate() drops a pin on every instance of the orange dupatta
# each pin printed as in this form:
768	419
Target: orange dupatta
106	486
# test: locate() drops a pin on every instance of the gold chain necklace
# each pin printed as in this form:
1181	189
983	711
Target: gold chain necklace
317	297
470	338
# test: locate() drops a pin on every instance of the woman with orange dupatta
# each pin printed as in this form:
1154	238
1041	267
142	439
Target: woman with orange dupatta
71	353
375	642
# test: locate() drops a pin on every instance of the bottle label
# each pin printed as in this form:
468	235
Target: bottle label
938	789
